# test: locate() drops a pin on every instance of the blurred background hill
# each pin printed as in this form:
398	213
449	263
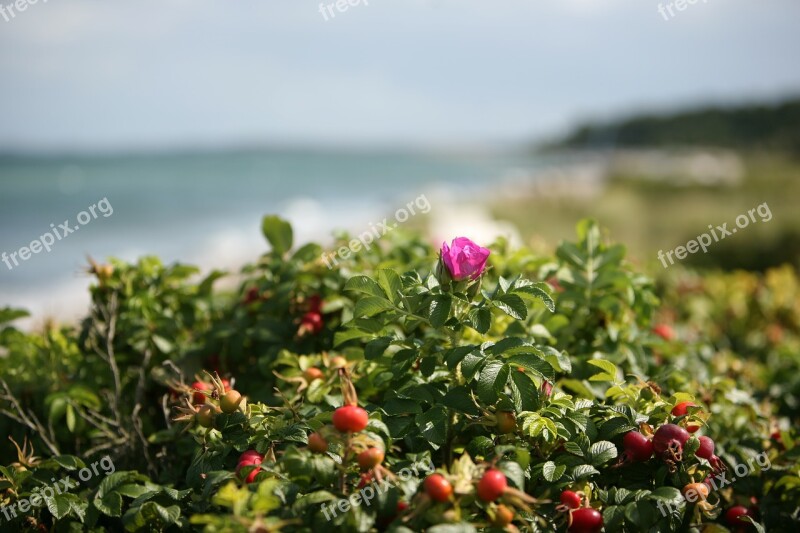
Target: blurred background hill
773	126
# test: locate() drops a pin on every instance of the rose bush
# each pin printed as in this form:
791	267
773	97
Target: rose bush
405	392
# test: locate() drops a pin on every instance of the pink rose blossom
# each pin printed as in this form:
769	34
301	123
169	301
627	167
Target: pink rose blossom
464	259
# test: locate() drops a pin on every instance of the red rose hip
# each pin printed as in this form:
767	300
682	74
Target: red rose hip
492	485
350	419
638	448
706	449
369	459
570	499
317	443
438	488
586	520
736	514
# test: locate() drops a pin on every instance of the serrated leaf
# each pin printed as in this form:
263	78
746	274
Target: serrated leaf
374	349
533	363
440	310
573	448
432	424
512	305
583	472
109	504
391	284
58	506
492	377
535	292
371	306
480	319
551	472
364	285
615	426
480	446
668	494
609	370
523	391
344	335
602	452
453	356
151	515
458	398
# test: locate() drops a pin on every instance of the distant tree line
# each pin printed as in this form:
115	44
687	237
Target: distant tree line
774	127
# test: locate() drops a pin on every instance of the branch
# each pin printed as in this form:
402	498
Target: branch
28	419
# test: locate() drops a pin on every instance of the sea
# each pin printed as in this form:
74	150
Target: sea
205	208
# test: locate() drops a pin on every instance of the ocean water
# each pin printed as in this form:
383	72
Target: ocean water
205	209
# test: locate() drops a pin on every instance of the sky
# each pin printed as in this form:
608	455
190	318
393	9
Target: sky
94	75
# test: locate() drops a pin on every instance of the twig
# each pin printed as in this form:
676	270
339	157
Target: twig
28	419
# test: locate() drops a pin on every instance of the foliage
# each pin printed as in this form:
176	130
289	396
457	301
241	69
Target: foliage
538	368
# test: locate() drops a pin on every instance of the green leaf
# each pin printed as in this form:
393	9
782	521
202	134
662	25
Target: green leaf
609	370
371	306
513	472
375	348
584	471
512	305
453	356
668	494
480	446
458	399
163	345
558	360
574	448
539	291
151	516
278	232
401	406
342	336
533	363
493	378
523	391
691	446
602	452
432	424
615	426
551	472
479	319
59	505
440	310
68	462
364	285
470	365
109	504
391	284
71	418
